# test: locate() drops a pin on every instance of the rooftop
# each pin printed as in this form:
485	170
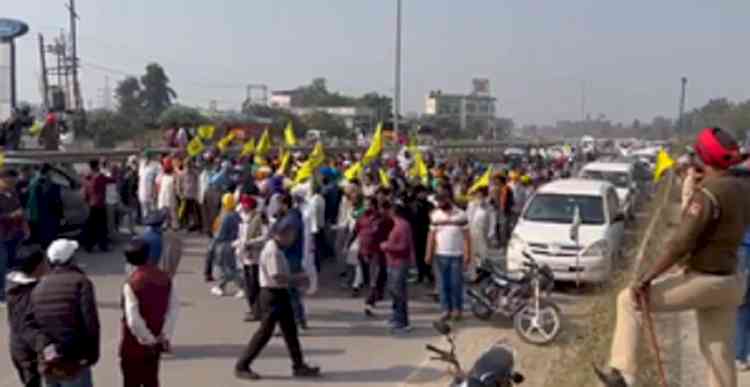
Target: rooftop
576	187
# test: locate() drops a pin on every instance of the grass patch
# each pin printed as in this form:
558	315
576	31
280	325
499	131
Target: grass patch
587	338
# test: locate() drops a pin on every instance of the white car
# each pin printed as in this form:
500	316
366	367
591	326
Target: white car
585	252
622	176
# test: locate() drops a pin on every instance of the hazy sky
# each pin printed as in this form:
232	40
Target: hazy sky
537	54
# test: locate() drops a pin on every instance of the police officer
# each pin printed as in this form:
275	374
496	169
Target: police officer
712	227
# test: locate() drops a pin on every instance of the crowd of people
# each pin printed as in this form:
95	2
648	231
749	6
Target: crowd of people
270	237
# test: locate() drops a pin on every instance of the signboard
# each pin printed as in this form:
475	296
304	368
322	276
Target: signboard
11	29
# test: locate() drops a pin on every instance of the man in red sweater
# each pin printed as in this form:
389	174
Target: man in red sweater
399	254
95	187
372	229
149	314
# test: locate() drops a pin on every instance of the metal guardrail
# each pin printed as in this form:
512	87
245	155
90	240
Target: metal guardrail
482	150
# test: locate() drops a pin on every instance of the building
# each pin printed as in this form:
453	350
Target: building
478	105
353	116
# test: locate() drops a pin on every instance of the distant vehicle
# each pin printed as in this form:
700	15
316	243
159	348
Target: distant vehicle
622	176
75	209
647	156
583	251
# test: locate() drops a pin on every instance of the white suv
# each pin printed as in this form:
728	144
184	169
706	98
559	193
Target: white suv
622	176
575	252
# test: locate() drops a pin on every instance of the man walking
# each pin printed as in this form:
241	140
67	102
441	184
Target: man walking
187	191
275	281
26	341
709	234
149	315
399	253
372	229
64	306
13	226
96	228
44	207
291	217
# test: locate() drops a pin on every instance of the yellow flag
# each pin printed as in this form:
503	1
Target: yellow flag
284	163
224	143
206	132
376	146
353	171
289	136
318	155
482	182
248	148
264	145
663	163
2	159
195	146
35	129
419	169
385	180
316	158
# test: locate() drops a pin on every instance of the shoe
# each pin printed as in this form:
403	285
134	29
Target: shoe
368	311
251	317
209	278
399	330
303	326
610	377
247	374
217	291
239	294
306	371
743	366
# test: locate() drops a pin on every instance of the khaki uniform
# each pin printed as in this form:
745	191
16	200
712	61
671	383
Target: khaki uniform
712	226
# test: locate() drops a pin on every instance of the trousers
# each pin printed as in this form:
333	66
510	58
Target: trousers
252	287
375	274
141	372
96	229
276	309
714	299
398	290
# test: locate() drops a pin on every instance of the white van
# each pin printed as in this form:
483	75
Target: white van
622	176
547	232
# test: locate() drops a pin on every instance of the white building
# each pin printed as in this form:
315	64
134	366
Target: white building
475	106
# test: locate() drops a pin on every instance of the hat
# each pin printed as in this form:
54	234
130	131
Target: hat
61	251
155	218
228	202
248	202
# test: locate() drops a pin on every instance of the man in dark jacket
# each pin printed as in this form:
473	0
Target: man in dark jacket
64	306
26	341
44	207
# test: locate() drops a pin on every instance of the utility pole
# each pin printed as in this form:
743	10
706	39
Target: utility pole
681	116
43	63
397	91
583	101
107	97
74	54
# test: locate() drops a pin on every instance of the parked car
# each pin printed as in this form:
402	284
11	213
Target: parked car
75	209
575	252
622	176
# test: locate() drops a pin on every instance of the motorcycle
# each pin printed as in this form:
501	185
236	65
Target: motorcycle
524	299
494	368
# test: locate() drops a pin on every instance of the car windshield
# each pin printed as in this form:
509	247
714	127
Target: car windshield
559	208
618	179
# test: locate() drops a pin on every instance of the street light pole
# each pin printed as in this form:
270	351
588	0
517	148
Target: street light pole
397	91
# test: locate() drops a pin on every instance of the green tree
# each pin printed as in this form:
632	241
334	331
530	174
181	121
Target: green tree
381	105
180	115
108	127
157	95
129	98
331	125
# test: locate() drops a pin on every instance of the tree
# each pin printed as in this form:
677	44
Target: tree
157	95
129	98
381	105
332	126
179	115
108	128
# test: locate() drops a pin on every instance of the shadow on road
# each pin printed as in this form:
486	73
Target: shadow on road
211	351
365	376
